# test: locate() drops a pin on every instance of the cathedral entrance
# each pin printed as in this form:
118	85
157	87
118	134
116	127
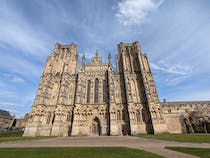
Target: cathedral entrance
96	127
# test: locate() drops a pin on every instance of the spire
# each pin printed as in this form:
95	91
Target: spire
109	58
96	53
96	60
83	60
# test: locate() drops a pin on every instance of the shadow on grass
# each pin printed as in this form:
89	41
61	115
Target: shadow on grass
21	138
192	137
201	152
7	136
102	152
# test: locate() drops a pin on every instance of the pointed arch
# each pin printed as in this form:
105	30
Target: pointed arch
96	127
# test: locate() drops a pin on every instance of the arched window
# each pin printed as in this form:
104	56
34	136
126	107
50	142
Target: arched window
96	91
118	115
88	91
104	91
138	116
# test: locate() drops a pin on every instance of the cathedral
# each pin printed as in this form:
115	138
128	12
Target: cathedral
95	100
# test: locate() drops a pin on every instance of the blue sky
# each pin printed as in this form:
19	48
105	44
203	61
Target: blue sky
175	34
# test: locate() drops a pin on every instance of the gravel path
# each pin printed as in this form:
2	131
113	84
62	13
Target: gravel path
151	145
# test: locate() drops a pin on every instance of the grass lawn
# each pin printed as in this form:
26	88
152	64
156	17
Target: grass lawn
17	136
20	138
102	152
204	153
195	138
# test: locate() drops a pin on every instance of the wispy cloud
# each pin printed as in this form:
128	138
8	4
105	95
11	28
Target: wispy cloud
18	33
10	104
13	78
175	80
172	74
131	12
17	79
5	94
172	69
20	67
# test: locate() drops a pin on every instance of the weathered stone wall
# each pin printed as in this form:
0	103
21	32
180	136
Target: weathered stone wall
177	114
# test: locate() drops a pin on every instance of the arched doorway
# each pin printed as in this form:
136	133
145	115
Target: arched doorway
96	127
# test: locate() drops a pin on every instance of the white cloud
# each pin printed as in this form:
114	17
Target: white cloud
13	78
5	94
131	12
19	33
174	81
17	79
10	104
172	74
18	67
172	69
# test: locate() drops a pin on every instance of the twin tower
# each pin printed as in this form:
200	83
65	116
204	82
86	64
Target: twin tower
94	99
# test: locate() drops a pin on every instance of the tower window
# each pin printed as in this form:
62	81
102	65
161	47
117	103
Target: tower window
104	91
138	116
96	91
118	115
88	91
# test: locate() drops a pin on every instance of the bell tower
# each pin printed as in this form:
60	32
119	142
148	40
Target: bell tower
54	101
140	91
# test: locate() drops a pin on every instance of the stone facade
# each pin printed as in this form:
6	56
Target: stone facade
96	100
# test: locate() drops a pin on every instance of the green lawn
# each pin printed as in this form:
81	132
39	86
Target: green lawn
195	138
20	138
203	153
102	152
17	136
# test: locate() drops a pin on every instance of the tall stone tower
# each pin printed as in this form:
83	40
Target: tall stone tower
53	106
140	91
